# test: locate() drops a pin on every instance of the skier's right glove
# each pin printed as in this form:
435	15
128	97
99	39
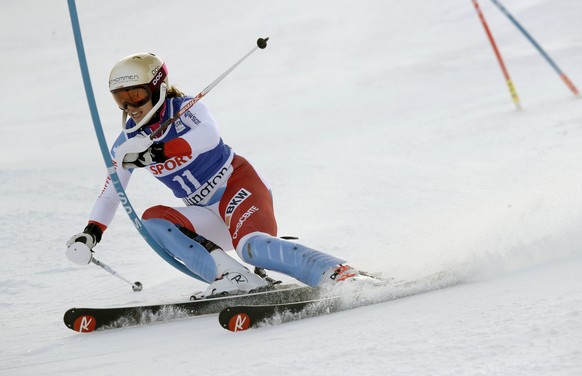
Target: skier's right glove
153	154
80	246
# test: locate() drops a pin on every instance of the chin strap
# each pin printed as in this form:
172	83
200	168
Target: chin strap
123	119
149	115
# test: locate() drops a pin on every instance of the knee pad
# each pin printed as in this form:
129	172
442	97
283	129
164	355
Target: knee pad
195	259
302	263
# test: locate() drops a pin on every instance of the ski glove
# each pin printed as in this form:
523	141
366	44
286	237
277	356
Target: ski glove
153	154
80	246
90	236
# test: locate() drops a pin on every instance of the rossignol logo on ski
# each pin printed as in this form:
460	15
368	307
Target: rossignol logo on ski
85	324
239	322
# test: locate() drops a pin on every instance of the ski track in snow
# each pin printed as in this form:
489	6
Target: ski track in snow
390	139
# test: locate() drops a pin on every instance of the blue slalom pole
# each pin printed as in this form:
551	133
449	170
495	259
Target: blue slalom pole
538	47
111	170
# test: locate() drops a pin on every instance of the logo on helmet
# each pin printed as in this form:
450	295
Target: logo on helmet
122	79
158	77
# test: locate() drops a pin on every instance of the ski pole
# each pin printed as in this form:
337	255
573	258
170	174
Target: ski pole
562	75
512	90
261	43
136	286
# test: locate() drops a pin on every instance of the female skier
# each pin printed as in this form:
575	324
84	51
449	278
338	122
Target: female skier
227	204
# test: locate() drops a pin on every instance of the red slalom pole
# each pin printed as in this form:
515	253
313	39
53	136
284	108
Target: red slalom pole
510	85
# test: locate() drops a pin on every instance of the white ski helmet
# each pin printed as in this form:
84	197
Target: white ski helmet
135	80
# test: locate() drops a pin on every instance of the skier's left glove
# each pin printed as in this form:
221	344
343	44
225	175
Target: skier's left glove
80	246
153	154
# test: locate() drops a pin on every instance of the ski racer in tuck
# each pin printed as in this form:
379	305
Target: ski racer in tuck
227	205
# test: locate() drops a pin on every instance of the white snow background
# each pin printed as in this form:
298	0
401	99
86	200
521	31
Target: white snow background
390	139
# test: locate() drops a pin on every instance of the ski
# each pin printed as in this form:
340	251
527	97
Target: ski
243	317
246	316
92	319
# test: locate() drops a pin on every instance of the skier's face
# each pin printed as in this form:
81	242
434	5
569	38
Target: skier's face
137	113
136	101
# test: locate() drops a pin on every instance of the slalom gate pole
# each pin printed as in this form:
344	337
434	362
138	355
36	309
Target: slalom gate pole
562	75
105	149
510	85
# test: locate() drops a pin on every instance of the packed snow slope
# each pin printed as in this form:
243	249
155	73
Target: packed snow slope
390	139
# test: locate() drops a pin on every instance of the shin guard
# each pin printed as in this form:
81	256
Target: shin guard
180	247
302	263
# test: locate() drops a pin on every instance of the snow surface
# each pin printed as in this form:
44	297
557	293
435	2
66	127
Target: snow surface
390	139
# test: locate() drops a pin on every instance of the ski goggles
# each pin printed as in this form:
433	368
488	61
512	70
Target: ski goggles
135	96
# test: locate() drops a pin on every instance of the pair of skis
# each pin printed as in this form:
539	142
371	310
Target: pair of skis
90	319
241	312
